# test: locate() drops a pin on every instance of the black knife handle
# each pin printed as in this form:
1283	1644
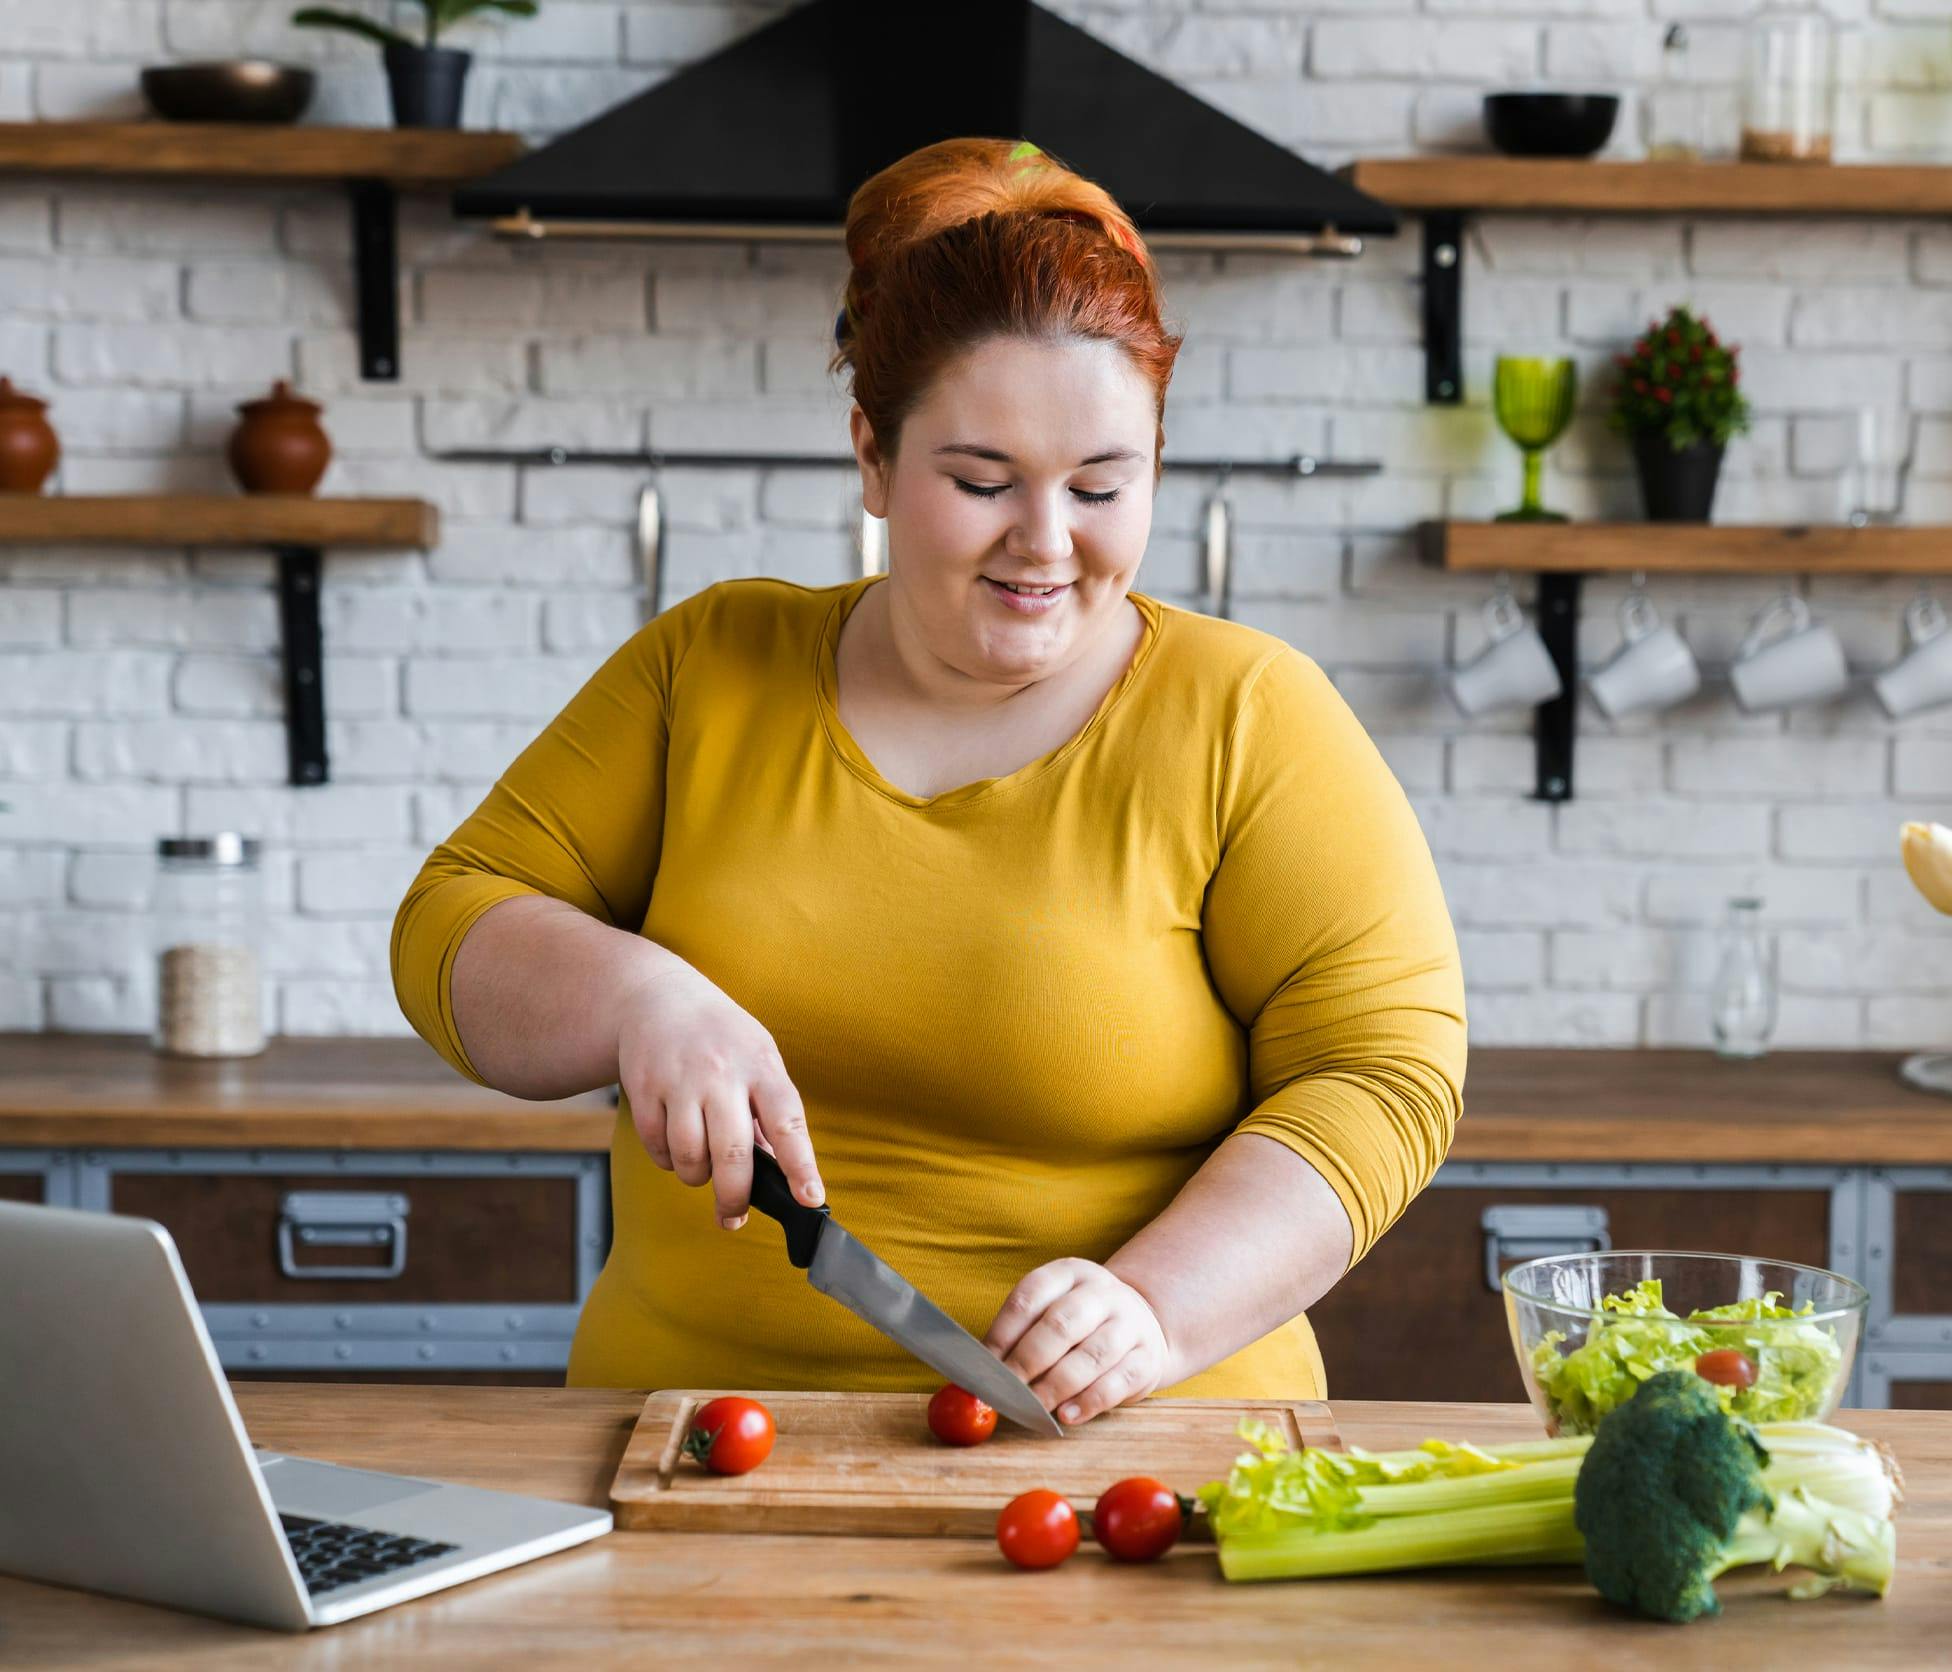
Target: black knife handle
773	1196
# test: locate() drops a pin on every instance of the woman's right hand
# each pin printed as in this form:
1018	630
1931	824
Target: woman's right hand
706	1082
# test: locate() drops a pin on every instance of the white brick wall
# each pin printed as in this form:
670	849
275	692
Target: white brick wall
140	693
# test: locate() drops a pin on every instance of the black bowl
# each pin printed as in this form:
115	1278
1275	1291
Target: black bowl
1550	124
234	90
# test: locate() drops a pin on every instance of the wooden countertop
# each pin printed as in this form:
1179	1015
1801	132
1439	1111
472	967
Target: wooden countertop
698	1599
1838	1108
1830	1107
384	1094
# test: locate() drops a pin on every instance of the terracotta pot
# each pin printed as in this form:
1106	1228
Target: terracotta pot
28	444
279	447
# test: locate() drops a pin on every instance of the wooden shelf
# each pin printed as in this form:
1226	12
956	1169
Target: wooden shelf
374	164
217	520
1556	185
1684	548
1563	554
295	526
255	151
1443	190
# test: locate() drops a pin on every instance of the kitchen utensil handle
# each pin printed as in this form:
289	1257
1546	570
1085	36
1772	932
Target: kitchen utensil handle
773	1196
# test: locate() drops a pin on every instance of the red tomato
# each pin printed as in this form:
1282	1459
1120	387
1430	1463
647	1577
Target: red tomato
1138	1520
730	1436
958	1418
1037	1530
1729	1366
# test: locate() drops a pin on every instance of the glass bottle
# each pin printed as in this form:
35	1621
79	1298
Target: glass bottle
1789	99
209	932
1674	119
1744	995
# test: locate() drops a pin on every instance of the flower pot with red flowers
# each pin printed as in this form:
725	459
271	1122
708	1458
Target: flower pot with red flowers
1678	401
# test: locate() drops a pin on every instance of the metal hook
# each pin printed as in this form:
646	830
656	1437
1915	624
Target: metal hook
1219	549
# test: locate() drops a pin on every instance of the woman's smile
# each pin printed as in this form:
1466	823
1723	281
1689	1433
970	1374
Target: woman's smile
1024	598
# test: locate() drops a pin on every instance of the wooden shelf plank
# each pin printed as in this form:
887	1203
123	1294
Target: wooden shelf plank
1685	548
1551	185
216	520
237	150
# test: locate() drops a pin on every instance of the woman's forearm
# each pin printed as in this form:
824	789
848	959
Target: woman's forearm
1256	1236
538	987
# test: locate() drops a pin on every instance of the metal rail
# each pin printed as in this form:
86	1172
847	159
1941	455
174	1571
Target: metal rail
1297	465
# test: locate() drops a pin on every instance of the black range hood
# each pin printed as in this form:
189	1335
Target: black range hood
769	137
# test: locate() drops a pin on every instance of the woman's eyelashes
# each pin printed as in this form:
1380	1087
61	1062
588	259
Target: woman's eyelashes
977	490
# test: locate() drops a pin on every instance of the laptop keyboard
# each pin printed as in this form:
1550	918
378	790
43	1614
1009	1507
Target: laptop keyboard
331	1553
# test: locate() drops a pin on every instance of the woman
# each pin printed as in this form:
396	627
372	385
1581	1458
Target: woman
1085	947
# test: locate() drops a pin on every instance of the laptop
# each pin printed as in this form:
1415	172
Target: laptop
126	1468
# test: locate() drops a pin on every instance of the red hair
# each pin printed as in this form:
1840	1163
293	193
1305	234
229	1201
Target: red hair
969	239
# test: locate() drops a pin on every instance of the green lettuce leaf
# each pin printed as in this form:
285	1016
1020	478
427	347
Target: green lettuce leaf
1634	1337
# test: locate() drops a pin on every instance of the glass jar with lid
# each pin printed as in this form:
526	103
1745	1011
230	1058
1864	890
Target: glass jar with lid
1675	129
1743	1014
209	934
1789	98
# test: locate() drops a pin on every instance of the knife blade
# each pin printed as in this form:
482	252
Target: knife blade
844	1268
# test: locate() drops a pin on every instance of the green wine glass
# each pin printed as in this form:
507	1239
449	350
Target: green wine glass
1532	400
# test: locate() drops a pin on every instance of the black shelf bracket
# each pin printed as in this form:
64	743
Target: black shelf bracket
1443	308
376	270
1555	725
298	616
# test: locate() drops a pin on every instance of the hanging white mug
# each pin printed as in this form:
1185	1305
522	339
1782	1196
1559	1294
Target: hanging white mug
1786	658
1514	670
1653	668
1922	677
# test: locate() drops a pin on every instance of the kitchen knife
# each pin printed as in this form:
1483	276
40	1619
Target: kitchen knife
841	1266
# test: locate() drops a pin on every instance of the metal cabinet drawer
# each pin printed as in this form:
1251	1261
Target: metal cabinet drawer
270	1236
1908	1260
1418	1318
23	1187
1907	1380
346	1261
34	1176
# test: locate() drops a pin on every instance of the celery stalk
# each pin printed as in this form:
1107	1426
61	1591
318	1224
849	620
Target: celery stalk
1293	1515
1552	1478
1541	1532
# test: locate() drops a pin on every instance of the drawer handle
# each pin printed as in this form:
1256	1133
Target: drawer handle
1530	1231
342	1219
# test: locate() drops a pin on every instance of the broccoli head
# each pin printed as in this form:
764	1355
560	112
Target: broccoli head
1670	1496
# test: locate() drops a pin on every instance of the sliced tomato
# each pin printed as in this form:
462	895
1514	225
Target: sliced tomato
730	1436
958	1418
1139	1520
1729	1366
1037	1530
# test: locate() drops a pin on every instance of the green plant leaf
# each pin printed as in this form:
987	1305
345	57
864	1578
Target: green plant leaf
324	17
453	11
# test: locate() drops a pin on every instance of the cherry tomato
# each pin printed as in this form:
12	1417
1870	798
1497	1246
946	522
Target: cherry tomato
958	1418
730	1436
1729	1366
1037	1530
1139	1520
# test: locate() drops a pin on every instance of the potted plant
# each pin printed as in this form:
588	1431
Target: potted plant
425	79
1679	400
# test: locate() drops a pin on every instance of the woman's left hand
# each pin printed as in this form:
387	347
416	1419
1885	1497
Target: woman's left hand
1083	1339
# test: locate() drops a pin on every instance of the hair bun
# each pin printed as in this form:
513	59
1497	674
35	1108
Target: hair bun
969	240
957	180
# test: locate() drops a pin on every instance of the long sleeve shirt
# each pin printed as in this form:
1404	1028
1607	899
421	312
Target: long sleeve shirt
1021	1013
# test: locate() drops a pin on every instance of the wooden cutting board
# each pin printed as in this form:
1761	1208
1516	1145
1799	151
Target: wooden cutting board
865	1463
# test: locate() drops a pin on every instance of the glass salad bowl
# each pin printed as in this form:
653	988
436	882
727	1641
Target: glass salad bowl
1775	1338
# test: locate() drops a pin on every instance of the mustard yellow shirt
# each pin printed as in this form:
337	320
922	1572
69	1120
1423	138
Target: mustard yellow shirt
1021	1013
